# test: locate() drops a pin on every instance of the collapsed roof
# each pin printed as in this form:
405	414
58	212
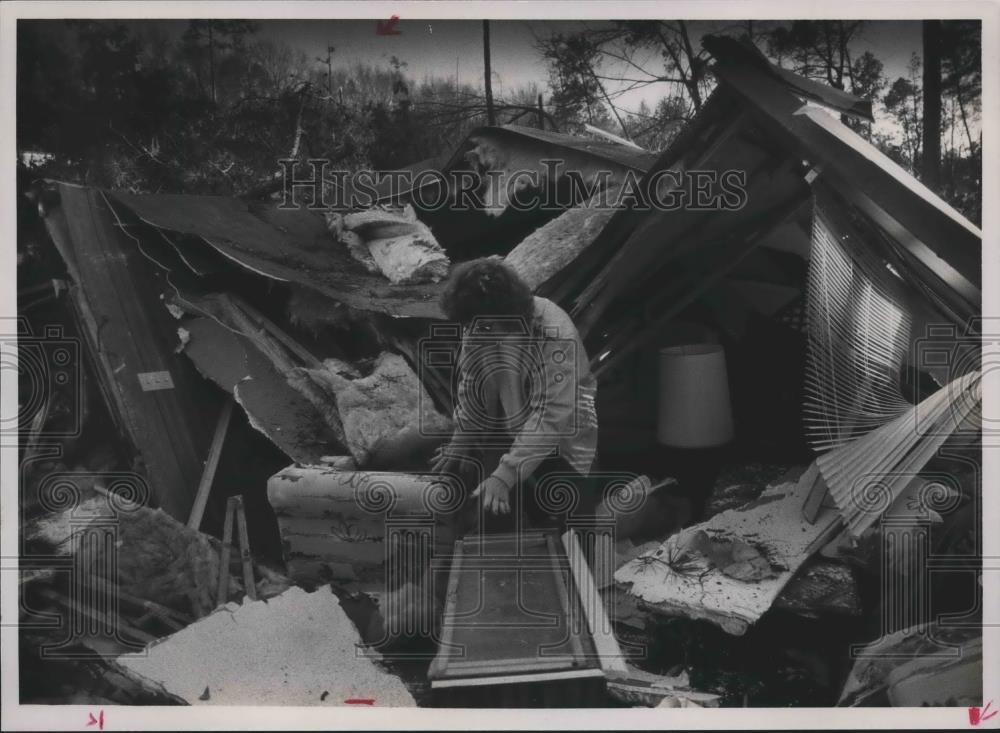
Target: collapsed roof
129	253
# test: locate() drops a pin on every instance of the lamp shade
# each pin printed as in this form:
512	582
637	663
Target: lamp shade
694	406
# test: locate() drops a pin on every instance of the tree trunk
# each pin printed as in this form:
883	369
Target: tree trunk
931	168
211	59
694	75
965	120
490	113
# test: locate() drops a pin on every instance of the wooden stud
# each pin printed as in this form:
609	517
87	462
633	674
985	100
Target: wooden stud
211	464
222	594
241	523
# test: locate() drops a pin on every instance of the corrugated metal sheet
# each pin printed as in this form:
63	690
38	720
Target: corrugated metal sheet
290	245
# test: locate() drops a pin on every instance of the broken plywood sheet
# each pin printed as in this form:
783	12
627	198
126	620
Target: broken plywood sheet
298	648
678	579
386	404
274	407
545	252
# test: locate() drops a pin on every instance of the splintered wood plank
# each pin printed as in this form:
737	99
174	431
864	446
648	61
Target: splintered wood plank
771	524
221	595
134	339
211	464
247	563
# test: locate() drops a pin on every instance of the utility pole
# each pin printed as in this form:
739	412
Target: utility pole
931	163
490	114
329	69
541	114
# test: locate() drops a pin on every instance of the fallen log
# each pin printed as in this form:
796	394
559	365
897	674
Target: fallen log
544	253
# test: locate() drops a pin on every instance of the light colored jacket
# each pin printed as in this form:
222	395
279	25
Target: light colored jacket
532	381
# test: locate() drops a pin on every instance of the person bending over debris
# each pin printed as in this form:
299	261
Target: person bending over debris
525	423
525	433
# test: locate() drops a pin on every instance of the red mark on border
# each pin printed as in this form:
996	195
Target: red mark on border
98	721
388	27
360	701
979	715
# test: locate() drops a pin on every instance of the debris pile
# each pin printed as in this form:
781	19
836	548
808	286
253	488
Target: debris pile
264	373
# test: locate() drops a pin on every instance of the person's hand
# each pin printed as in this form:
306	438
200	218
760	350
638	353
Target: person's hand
495	495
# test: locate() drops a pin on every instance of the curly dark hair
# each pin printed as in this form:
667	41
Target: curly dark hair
485	287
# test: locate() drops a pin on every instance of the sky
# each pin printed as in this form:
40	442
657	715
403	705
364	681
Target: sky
450	48
447	47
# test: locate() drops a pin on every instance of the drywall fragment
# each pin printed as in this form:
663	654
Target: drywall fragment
725	580
286	651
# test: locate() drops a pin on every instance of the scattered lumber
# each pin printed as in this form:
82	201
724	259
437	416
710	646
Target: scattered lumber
298	648
730	569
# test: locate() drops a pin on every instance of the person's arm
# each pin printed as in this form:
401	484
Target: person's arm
464	435
551	414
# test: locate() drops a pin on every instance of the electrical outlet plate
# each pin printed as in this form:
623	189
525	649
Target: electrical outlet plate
155	381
